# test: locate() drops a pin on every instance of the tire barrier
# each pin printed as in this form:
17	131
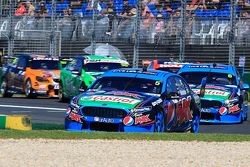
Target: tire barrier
17	122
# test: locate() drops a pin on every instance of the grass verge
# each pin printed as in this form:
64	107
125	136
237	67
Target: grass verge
48	131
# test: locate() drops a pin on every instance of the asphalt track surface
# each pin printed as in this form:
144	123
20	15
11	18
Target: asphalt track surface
45	110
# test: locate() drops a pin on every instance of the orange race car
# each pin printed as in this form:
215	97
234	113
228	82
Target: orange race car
32	75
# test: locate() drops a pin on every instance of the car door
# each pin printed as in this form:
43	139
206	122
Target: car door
20	73
171	104
184	114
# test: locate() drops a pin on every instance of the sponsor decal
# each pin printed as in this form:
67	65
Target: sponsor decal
158	101
142	119
75	117
104	120
143	109
199	66
223	111
105	61
215	87
230	76
234	109
133	71
170	65
124	94
115	99
128	121
213	92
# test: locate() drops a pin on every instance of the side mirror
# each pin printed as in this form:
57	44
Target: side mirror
203	86
245	86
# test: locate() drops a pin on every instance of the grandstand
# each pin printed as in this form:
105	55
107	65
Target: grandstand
207	26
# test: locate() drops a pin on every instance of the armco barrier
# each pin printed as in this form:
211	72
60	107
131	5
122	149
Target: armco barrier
18	122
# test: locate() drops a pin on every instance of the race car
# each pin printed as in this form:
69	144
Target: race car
81	71
32	75
226	96
135	100
166	65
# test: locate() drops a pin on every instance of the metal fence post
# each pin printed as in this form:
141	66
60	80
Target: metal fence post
93	36
11	30
52	35
232	33
137	35
183	30
1	8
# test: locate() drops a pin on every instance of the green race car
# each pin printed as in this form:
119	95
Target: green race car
81	71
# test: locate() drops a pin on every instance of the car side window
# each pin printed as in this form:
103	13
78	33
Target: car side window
21	64
171	86
181	86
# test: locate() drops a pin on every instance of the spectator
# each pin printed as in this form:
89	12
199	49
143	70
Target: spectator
126	8
111	12
67	12
90	7
42	10
195	4
21	10
148	20
31	9
159	23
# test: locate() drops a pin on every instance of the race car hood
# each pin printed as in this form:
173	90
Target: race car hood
217	92
114	99
48	73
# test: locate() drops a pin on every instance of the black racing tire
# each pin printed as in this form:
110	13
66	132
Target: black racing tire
61	95
195	123
28	90
4	89
159	125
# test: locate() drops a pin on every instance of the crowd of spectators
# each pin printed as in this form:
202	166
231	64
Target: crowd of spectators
127	8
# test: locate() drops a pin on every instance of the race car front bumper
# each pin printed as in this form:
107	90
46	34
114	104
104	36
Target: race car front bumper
99	124
212	115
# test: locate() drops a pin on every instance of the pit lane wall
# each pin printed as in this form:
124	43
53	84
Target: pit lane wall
17	122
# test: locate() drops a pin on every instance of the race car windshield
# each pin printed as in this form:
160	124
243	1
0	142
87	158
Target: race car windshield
44	64
101	67
128	84
212	78
173	70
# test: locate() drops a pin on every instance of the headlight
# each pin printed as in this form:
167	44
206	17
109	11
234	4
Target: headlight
141	109
41	79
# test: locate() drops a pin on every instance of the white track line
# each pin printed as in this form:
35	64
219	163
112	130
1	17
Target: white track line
20	111
53	111
40	108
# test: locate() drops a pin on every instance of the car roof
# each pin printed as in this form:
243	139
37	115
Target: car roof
96	59
139	73
38	56
210	67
